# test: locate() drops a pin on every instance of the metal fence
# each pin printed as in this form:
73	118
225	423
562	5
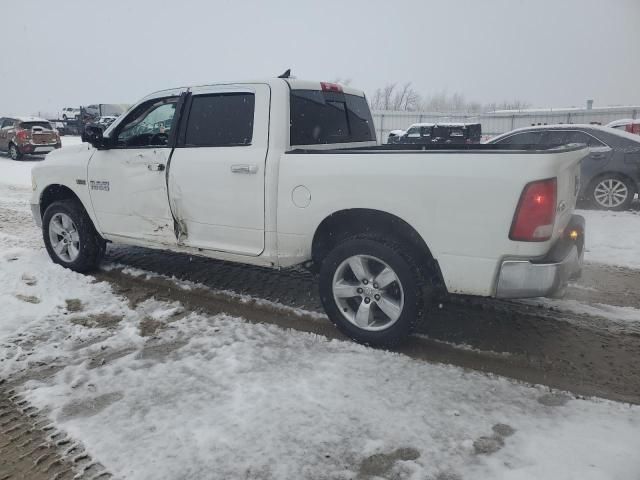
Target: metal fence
495	123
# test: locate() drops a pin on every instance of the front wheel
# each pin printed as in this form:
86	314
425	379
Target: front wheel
70	238
372	290
612	193
14	153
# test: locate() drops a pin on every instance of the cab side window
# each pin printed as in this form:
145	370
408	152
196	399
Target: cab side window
149	125
220	120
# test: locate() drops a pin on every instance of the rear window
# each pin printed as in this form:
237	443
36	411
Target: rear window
329	117
30	125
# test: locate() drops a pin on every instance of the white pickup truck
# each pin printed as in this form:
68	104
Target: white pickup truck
285	172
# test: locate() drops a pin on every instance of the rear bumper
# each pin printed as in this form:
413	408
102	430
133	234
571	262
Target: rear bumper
549	276
37	147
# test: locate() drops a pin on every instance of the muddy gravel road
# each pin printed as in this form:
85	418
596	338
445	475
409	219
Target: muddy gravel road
537	343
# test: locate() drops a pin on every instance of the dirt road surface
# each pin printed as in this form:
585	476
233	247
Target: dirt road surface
588	355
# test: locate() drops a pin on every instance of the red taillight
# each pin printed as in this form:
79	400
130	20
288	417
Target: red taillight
536	212
330	87
21	135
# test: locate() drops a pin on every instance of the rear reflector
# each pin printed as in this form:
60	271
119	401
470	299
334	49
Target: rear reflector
330	87
536	212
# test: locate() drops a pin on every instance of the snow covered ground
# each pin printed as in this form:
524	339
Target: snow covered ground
216	397
19	173
157	392
613	238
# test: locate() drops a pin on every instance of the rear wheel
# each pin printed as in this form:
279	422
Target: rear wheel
70	238
14	153
372	290
612	192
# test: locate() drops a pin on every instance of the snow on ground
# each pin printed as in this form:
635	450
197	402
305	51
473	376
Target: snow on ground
609	312
19	172
613	238
217	397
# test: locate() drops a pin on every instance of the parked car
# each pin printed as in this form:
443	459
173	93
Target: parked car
418	133
106	120
70	113
395	135
611	171
60	128
456	133
286	172
631	125
27	135
443	133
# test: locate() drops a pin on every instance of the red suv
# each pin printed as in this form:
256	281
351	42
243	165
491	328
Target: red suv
27	135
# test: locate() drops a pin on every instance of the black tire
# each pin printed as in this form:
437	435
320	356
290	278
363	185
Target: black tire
92	246
398	258
631	192
64	117
14	153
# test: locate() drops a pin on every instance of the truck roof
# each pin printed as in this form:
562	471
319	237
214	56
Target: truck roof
294	84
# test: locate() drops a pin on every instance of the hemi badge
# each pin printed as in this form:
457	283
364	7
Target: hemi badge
79	181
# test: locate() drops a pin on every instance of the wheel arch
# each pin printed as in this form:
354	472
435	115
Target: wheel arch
343	223
56	192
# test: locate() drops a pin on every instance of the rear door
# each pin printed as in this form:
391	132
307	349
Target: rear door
217	171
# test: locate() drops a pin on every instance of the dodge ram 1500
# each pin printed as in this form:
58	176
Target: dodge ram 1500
284	172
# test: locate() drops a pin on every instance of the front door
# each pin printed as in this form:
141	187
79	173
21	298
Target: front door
217	171
127	182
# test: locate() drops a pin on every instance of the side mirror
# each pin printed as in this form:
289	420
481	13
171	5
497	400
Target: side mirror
93	135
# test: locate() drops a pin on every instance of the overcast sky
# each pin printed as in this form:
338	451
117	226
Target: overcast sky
545	52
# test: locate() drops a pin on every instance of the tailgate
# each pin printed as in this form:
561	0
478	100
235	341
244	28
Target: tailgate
568	176
41	136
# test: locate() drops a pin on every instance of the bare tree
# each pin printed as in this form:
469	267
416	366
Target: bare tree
389	97
406	98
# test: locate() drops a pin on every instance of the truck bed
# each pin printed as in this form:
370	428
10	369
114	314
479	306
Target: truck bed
460	199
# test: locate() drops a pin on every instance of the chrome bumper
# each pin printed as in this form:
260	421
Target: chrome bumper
524	278
35	211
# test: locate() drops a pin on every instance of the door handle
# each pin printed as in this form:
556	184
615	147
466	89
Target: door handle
156	167
244	168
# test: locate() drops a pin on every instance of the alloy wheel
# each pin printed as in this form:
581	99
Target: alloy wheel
368	292
64	237
611	193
